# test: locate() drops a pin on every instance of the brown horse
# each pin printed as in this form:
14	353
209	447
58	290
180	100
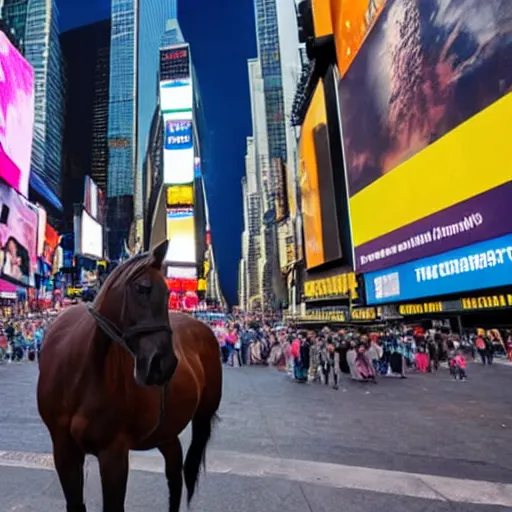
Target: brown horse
113	378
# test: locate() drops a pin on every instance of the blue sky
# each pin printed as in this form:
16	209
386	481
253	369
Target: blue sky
222	38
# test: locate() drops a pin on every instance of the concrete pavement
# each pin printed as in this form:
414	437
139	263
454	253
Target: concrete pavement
422	444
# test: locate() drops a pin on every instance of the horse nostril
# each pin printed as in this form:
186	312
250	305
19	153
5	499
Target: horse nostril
155	366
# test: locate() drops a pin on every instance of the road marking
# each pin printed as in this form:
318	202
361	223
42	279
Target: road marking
429	487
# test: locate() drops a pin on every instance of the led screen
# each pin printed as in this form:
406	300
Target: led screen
420	106
178	152
181	236
180	195
176	95
181	272
16	116
18	237
91	237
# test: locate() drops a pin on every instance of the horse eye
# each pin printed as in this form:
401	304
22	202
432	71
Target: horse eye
143	289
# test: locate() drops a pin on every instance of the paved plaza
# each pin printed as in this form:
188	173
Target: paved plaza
421	444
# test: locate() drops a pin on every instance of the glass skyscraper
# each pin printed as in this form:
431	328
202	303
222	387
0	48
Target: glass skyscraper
267	32
136	35
34	25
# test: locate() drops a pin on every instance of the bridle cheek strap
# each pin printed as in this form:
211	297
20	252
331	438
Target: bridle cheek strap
113	332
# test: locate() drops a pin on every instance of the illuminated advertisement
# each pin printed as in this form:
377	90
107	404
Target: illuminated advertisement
180	285
175	63
180	195
176	95
181	272
93	199
41	229
91	237
351	22
18	237
320	222
16	116
181	235
51	242
178	152
428	170
483	265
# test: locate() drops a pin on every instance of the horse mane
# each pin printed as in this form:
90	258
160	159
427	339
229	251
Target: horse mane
122	275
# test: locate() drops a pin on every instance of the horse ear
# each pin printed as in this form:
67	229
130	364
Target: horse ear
158	254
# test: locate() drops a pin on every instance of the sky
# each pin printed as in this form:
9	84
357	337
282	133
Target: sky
222	38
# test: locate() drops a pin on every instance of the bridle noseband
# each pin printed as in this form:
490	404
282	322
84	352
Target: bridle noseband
123	338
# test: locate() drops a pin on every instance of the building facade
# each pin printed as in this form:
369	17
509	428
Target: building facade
137	31
86	53
34	25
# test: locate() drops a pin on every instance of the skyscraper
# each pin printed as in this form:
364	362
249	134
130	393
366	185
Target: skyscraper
34	25
136	34
86	53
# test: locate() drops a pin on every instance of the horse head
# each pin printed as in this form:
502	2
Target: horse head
132	309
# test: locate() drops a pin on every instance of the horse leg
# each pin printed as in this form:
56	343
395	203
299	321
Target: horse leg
69	463
113	464
173	455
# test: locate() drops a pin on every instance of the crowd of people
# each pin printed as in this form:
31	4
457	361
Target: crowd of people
326	355
21	337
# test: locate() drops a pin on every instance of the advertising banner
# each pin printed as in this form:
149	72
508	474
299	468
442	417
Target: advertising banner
428	168
91	237
351	21
16	116
41	229
51	241
181	235
178	152
175	63
320	221
176	96
180	195
181	272
18	237
483	265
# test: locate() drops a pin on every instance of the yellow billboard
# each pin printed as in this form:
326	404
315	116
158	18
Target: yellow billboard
180	195
181	234
423	109
322	18
308	180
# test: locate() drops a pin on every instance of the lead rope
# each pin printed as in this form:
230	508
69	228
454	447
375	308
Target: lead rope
112	331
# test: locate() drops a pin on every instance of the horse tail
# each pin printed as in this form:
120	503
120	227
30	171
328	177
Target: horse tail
196	454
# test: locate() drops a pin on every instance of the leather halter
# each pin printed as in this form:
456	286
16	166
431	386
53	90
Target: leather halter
122	338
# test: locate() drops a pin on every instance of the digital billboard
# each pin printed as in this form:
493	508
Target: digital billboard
175	63
18	237
351	22
181	236
178	152
483	265
180	195
176	95
93	199
16	116
428	166
320	222
181	272
91	237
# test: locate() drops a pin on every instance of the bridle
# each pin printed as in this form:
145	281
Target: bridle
122	338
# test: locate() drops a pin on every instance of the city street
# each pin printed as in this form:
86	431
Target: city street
422	444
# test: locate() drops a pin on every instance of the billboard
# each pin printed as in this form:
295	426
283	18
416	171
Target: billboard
320	221
91	237
18	237
181	272
176	95
181	235
483	265
180	195
428	168
175	63
178	152
41	229
93	199
351	22
51	242
16	116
